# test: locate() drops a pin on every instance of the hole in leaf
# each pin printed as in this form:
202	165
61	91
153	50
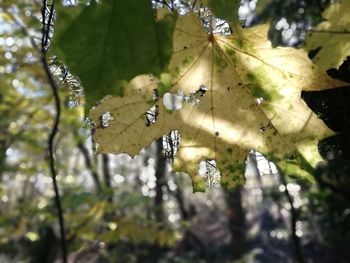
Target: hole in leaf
211	24
171	143
151	115
264	165
268	126
90	125
194	96
95	146
155	95
106	119
209	171
202	90
290	157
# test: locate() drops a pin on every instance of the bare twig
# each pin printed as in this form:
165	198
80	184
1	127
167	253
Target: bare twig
54	131
171	7
194	4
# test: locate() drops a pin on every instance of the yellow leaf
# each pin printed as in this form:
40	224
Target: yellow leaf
231	94
331	36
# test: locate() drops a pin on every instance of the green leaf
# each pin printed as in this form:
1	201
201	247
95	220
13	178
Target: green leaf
107	44
225	9
261	5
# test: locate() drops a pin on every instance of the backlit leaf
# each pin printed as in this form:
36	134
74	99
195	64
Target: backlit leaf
331	37
238	93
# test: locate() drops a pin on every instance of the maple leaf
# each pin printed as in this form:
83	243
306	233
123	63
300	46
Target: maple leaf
105	46
331	37
230	94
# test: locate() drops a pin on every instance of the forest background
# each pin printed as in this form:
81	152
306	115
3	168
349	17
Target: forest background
61	202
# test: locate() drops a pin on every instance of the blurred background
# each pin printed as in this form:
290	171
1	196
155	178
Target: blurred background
123	209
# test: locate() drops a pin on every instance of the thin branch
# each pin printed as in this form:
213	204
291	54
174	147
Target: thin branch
51	140
43	17
165	3
49	23
194	4
54	130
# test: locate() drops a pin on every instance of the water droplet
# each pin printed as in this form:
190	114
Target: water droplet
106	119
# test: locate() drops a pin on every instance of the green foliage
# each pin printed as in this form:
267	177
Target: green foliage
105	46
331	202
225	9
331	38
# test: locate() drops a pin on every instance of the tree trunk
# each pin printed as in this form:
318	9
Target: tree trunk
236	218
107	174
160	180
